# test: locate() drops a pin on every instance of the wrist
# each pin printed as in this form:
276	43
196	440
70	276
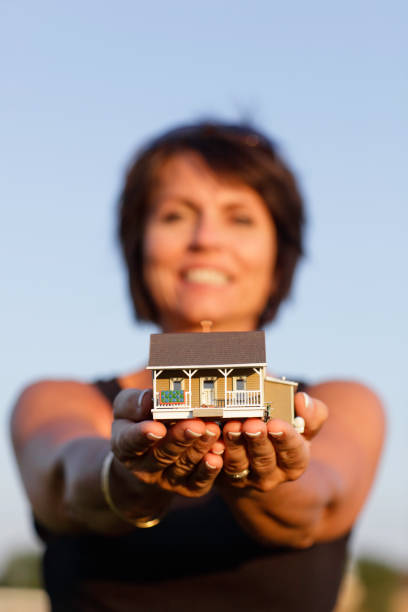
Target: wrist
135	502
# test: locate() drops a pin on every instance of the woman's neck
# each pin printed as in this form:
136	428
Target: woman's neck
172	326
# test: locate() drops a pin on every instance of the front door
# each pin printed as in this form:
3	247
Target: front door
208	392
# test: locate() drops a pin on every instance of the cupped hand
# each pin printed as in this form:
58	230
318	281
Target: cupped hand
183	458
262	455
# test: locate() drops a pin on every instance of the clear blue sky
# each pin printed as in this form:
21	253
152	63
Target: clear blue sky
83	84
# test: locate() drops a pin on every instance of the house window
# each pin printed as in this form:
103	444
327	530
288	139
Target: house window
240	384
176	384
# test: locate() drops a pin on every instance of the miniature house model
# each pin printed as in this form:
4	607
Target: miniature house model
216	375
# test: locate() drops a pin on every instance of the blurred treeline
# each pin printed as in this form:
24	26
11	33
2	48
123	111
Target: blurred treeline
371	586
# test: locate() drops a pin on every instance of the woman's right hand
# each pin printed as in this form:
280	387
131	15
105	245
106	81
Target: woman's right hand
183	458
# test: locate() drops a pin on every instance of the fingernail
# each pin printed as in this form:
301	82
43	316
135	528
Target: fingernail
276	434
141	396
217	452
251	434
210	433
192	434
210	467
308	400
153	436
234	435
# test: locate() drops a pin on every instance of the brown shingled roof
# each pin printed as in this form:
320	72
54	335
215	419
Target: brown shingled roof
207	349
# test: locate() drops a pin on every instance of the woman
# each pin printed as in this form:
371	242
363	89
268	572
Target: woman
254	517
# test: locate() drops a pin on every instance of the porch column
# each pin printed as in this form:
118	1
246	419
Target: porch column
261	373
155	375
225	373
190	374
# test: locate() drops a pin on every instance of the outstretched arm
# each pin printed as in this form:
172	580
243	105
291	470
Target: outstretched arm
62	433
305	488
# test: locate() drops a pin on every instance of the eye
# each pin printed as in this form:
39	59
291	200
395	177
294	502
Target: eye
242	219
171	217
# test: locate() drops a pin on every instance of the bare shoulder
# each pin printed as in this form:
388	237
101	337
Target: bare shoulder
71	389
351	404
47	402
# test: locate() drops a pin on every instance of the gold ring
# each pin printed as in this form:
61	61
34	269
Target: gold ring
238	475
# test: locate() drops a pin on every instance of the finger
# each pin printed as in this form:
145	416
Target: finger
133	404
292	450
313	411
218	447
213	430
202	479
187	462
180	437
260	450
130	440
235	455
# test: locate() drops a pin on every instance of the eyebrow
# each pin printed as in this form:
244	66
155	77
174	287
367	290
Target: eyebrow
176	199
179	199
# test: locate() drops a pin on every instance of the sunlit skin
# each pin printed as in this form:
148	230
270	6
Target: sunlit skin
209	249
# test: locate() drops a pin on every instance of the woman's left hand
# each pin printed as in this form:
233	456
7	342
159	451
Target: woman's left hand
262	455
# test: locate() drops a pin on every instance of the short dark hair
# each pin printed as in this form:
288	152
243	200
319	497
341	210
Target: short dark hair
236	151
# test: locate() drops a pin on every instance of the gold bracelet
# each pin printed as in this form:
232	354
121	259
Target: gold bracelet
142	523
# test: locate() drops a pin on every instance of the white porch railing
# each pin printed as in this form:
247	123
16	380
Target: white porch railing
243	398
185	404
234	398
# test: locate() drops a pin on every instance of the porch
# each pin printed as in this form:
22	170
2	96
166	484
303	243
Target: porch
237	404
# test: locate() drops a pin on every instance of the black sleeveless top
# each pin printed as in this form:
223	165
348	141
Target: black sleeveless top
197	558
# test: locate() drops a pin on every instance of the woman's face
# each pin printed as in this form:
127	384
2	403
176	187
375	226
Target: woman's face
210	249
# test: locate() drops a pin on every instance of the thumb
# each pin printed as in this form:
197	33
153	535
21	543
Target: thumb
133	404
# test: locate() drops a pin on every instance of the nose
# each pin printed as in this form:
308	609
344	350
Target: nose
207	233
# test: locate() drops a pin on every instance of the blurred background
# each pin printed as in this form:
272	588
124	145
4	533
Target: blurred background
84	84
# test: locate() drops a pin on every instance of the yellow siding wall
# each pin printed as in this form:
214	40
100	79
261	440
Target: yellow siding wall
219	388
162	384
252	382
279	396
195	392
252	378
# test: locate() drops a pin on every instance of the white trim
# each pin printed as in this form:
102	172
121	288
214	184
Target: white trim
282	381
261	374
246	412
190	374
172	413
156	374
212	366
225	374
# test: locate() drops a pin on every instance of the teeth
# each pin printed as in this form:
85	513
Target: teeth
207	276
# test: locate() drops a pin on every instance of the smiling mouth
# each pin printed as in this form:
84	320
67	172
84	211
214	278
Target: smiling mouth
206	276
